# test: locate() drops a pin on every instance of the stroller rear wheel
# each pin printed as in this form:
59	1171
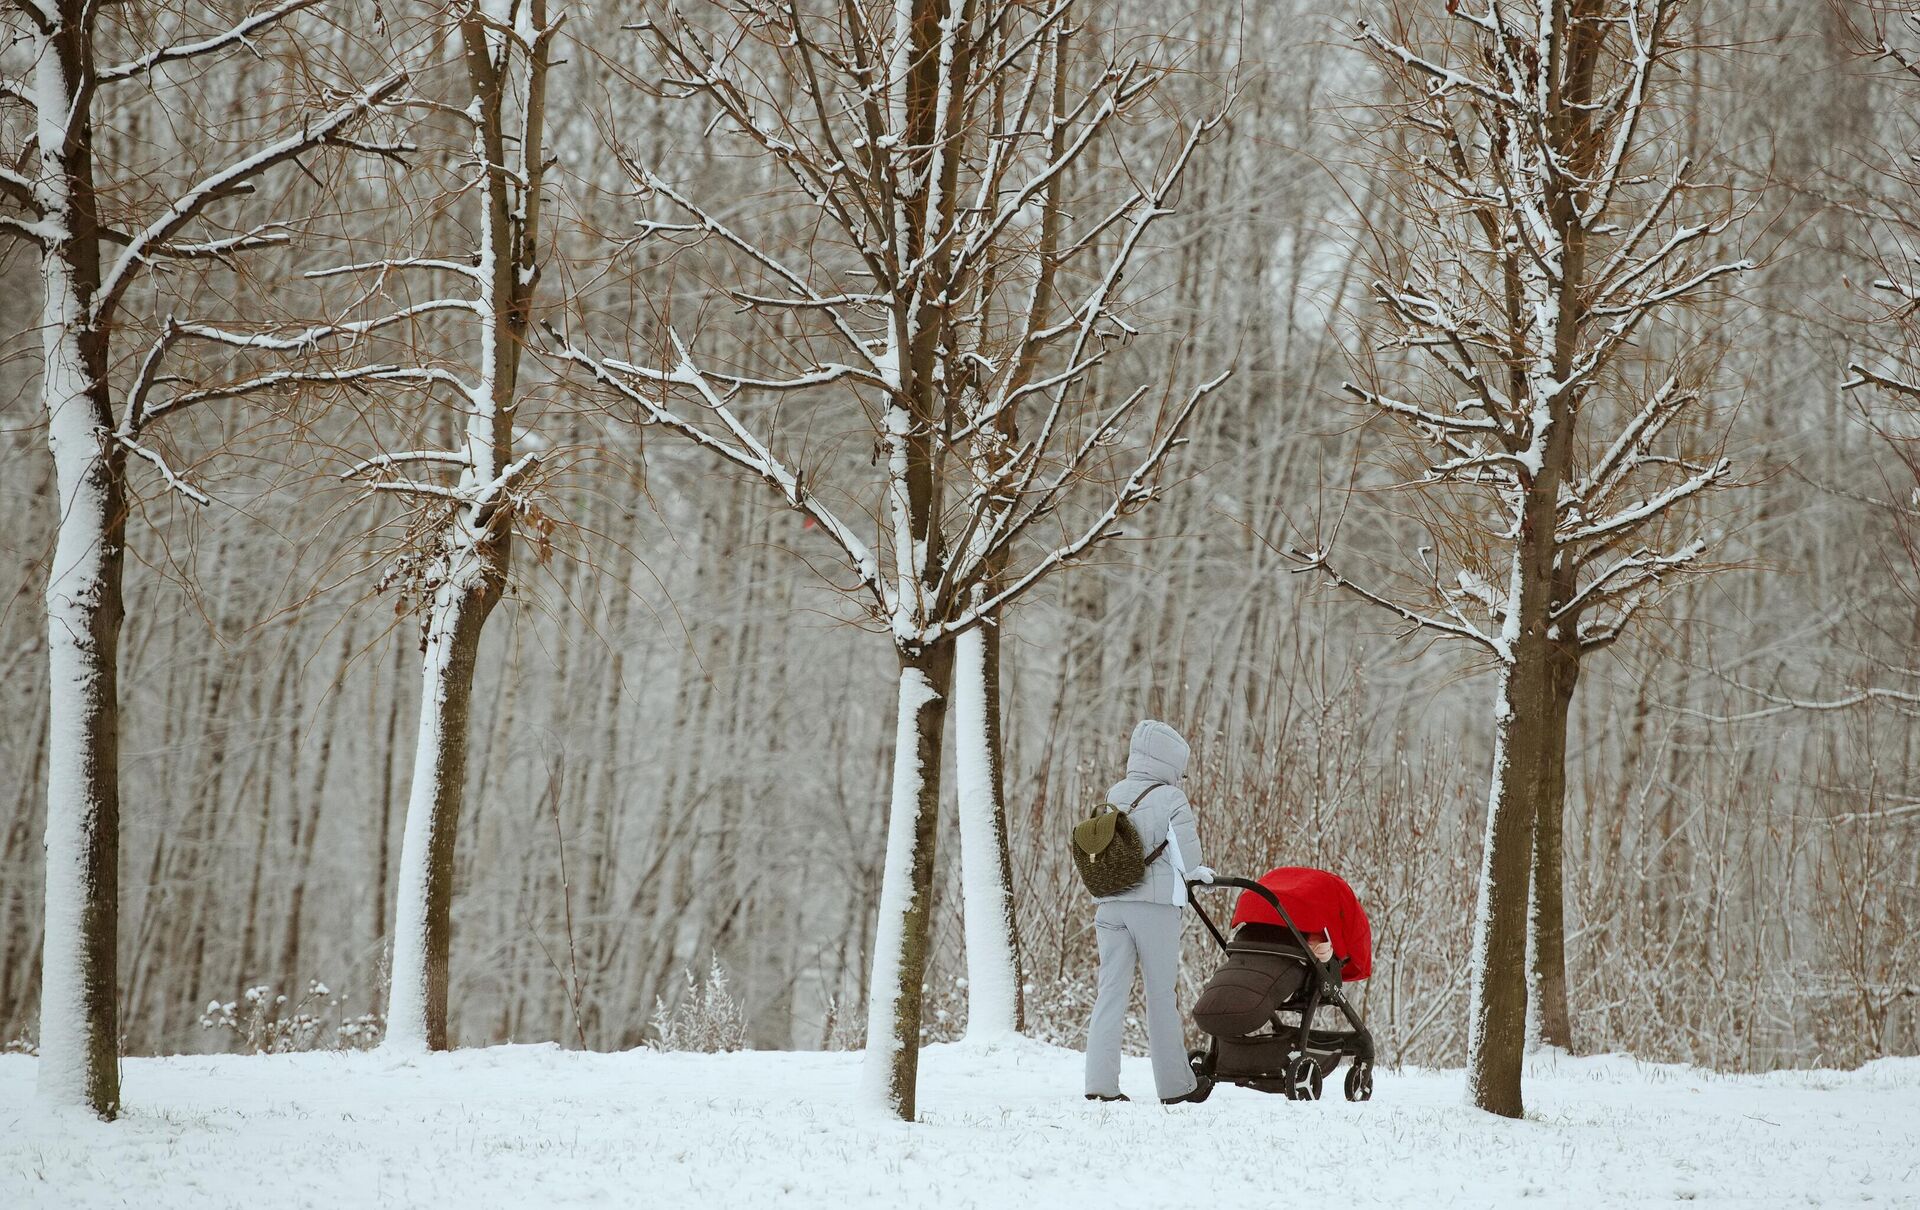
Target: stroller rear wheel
1303	1079
1360	1081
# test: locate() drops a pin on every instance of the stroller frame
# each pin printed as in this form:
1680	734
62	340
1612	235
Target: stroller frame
1302	1071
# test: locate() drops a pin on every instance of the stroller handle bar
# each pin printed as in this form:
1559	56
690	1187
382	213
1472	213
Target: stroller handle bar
1247	884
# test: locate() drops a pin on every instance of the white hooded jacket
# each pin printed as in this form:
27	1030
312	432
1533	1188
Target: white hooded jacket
1157	763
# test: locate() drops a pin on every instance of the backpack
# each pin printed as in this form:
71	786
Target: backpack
1107	849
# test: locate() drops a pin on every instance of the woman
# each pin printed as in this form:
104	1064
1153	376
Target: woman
1142	923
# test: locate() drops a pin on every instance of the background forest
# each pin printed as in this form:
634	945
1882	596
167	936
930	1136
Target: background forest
681	735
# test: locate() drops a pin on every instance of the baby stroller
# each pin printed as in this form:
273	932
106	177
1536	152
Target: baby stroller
1271	975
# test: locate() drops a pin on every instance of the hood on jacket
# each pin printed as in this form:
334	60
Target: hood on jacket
1157	753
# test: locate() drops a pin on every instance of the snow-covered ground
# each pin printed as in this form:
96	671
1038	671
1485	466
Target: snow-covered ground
538	1126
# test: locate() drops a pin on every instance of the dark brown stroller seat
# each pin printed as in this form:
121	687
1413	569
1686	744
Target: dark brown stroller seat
1265	973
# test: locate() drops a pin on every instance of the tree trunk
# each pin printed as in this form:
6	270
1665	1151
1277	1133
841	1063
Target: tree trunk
1524	758
79	1035
1549	874
423	908
906	888
995	999
1497	1022
79	1026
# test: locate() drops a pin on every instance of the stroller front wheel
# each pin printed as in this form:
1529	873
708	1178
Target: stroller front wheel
1360	1081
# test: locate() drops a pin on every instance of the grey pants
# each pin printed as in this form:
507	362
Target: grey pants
1148	933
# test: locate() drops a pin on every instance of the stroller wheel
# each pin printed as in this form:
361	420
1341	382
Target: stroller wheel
1360	1081
1202	1063
1303	1079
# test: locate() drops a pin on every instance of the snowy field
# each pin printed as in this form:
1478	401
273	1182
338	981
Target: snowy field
537	1126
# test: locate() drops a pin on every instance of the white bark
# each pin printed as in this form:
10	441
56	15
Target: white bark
896	898
987	904
80	674
1483	899
75	591
407	1020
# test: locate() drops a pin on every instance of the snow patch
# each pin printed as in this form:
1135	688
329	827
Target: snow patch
537	1126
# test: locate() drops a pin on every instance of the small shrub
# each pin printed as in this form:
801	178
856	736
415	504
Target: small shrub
943	1010
706	1018
844	1028
363	1032
22	1045
262	1022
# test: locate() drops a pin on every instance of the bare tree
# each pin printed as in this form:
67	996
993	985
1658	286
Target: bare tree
506	46
930	140
100	228
460	533
1548	223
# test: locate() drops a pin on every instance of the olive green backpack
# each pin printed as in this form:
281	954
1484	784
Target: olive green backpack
1107	849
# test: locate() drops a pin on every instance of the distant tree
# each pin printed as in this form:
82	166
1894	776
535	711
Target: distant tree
952	276
120	238
1550	227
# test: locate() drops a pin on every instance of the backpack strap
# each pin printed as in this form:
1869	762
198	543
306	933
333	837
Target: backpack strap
1137	800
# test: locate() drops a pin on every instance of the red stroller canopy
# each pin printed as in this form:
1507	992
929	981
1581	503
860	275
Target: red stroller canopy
1319	902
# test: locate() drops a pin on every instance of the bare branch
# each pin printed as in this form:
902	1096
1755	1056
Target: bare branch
406	458
1784	705
1444	79
1629	519
750	455
1137	491
230	180
1627	574
1455	423
167	473
1316	561
239	35
1862	376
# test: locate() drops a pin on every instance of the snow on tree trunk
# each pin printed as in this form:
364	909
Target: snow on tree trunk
1497	1015
994	1000
1554	225
79	1034
54	179
423	906
906	884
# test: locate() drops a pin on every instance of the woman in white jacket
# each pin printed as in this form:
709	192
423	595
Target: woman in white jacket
1141	925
